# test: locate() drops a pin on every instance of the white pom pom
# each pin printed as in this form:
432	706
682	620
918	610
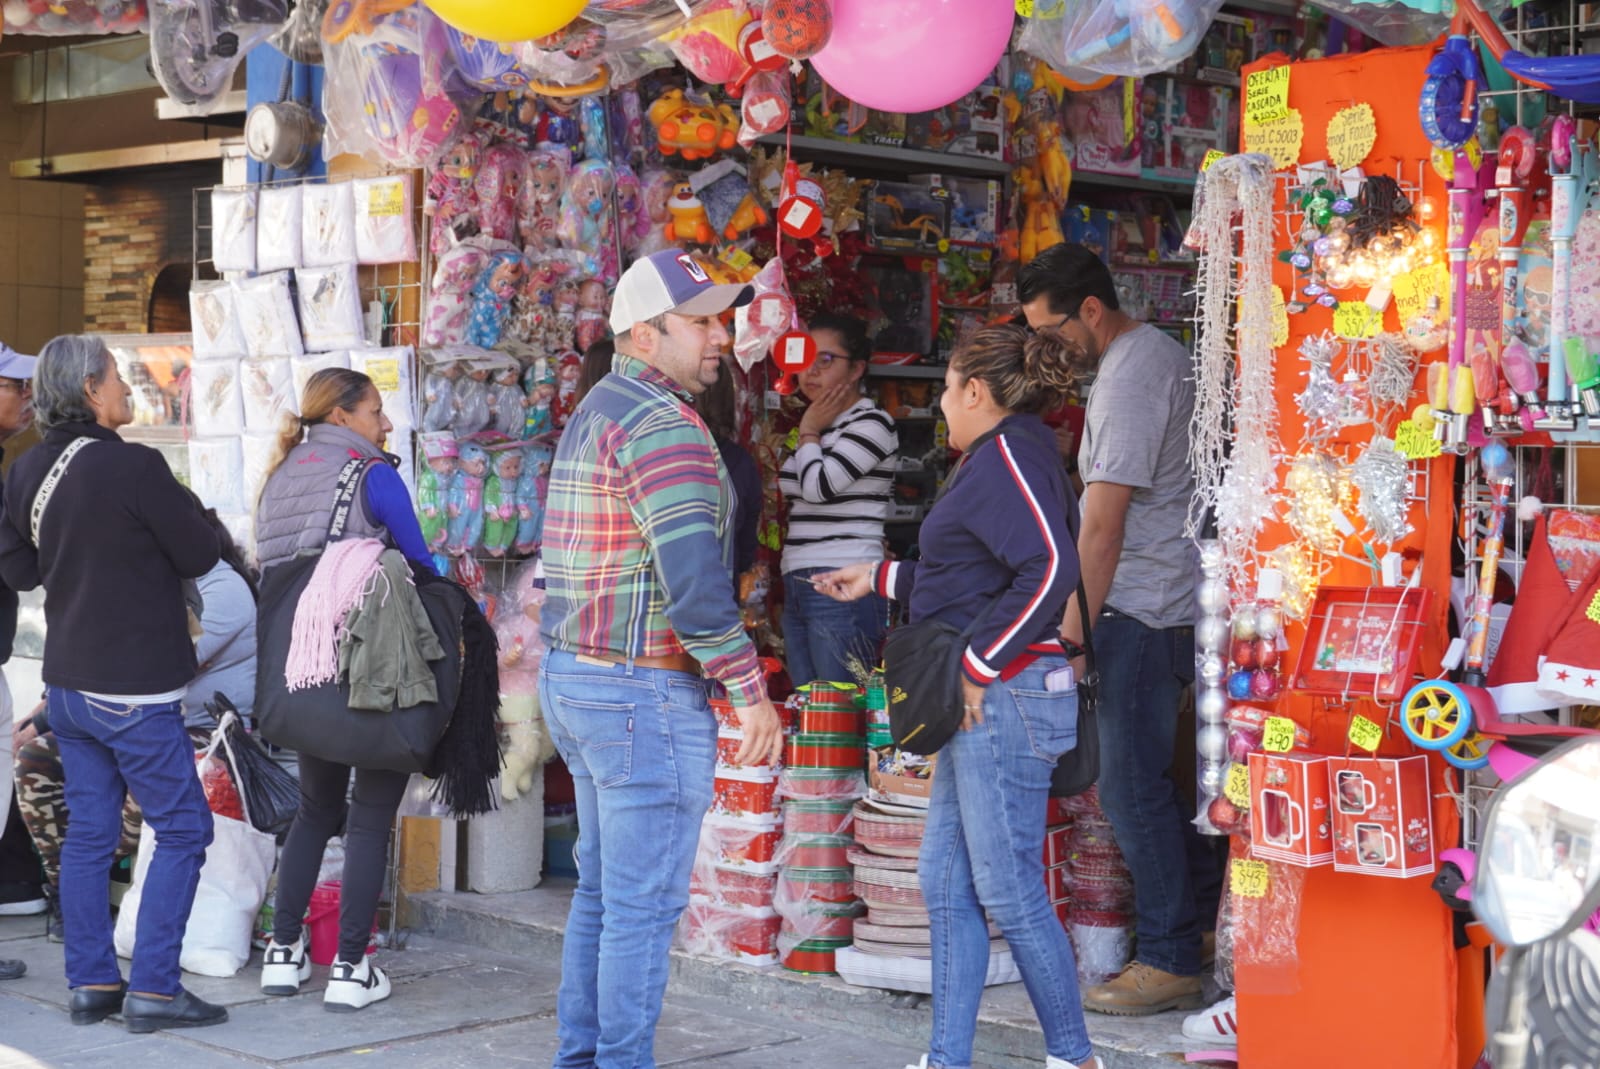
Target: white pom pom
1528	508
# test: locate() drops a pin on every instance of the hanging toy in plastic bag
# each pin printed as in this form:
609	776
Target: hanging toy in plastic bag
450	301
569	63
499	188
768	316
491	297
798	29
631	220
532	486
688	223
758	56
561	326
439	397
592	325
592	125
539	211
802	209
433	489
569	367
766	106
540	383
793	352
196	45
472	402
708	44
485	64
507	401
500	501
452	200
731	207
692	126
656	190
466	500
585	218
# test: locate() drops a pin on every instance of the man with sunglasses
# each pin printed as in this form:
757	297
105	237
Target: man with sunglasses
1139	574
21	889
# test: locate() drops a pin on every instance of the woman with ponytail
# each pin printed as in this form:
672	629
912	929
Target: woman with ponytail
997	558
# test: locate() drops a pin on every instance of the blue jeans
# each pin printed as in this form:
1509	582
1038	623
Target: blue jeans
983	850
108	751
1176	874
821	635
641	744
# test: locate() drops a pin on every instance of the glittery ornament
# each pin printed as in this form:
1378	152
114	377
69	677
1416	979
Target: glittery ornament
1239	685
1263	685
1211	632
1242	742
1266	653
1211	705
1211	742
1380	477
1268	621
1300	260
1212	670
1225	816
1212	595
1243	653
1212	776
1244	625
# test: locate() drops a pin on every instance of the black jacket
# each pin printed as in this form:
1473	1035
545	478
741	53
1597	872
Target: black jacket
8	614
118	538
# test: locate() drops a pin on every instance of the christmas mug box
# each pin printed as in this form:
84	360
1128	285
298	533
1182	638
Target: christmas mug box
1382	816
1289	809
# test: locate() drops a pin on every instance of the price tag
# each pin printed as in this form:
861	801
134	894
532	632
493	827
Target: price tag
1365	734
792	442
1277	138
1266	95
1211	156
385	375
737	259
1237	788
1351	134
1416	291
1249	879
1280	318
1277	734
1025	8
386	198
1593	611
1416	442
1356	319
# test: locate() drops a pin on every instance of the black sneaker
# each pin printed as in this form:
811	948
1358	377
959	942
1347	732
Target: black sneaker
22	900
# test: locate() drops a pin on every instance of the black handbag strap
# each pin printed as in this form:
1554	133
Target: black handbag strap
344	495
1091	674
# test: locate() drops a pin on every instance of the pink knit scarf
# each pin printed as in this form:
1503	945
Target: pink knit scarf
342	575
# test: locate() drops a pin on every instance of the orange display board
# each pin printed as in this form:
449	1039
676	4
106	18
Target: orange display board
1375	976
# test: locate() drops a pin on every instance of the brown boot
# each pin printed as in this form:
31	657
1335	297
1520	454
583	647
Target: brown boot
1141	990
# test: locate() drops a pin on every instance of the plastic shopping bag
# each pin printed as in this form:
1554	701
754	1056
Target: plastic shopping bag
269	793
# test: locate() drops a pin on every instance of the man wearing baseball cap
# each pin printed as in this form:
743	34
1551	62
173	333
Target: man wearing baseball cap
640	620
21	889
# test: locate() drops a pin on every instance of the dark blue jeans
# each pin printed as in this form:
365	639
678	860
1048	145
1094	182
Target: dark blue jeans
1176	874
107	751
821	636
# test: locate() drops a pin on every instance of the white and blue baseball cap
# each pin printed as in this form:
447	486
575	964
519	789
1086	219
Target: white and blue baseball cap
13	365
671	281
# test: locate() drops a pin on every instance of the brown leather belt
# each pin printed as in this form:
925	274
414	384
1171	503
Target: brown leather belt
672	662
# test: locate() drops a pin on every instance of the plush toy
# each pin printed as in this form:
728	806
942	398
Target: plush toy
472	403
540	209
631	222
689	224
500	502
491	297
532	306
499	188
592	125
525	742
592	325
569	366
433	488
465	502
452	199
657	188
540	383
561	330
691	127
585	218
439	395
450	304
507	402
532	486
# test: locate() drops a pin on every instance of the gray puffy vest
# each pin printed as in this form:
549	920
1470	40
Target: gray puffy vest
297	503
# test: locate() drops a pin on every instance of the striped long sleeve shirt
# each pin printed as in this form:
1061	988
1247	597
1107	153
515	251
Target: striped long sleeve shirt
839	491
638	534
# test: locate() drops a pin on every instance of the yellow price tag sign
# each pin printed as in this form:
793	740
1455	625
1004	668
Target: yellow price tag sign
1211	156
1277	734
385	375
1278	138
1416	442
1424	291
1249	879
1025	8
1364	733
1266	95
386	198
1351	134
1356	319
1593	611
1237	787
792	442
1280	318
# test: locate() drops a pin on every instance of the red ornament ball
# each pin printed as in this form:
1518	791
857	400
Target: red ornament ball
1244	653
1225	816
798	29
1263	685
1266	653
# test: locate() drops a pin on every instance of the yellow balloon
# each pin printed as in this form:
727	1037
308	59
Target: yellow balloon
507	20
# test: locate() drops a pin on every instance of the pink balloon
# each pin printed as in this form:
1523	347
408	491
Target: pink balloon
913	55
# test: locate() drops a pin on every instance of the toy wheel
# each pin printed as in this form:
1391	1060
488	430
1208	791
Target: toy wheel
1439	108
1470	753
1436	714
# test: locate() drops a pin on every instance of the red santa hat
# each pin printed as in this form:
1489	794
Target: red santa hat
1540	608
1569	672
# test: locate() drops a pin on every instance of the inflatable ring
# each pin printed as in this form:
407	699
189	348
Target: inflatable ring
1436	714
1453	77
346	17
597	84
1470	753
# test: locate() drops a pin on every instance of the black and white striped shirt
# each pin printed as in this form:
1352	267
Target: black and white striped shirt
838	492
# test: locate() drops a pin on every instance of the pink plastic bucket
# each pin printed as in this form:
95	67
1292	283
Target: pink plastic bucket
322	924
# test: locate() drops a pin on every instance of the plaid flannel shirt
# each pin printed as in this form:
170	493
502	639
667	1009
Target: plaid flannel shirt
638	534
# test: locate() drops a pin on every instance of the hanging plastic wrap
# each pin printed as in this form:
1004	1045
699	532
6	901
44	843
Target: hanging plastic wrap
72	18
1124	37
268	389
266	316
605	47
723	931
215	321
1259	921
390	371
1397	25
278	217
385	229
586	213
483	64
765	107
233	229
216	404
196	45
216	472
259	449
330	308
768	316
327	224
301	368
450	296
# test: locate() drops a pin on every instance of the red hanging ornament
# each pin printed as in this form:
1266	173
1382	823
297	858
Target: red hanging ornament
798	29
793	353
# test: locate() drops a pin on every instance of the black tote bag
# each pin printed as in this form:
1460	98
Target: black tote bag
318	720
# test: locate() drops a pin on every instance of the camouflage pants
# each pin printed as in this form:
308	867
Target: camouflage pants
42	800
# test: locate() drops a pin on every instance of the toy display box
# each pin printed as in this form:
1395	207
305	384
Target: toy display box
1155	294
1093	228
1382	819
907	217
833	115
1180	123
1229	44
975	125
901	314
1289	817
1103	128
974	206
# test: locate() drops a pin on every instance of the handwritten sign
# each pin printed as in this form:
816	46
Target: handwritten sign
385	375
1280	318
1417	442
386	198
1278	138
1211	156
1266	95
1351	134
1416	293
1277	734
1593	611
1237	788
1364	733
1356	319
1249	879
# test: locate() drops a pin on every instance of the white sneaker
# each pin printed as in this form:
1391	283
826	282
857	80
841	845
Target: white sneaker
1094	1062
1217	1025
285	968
354	987
923	1064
